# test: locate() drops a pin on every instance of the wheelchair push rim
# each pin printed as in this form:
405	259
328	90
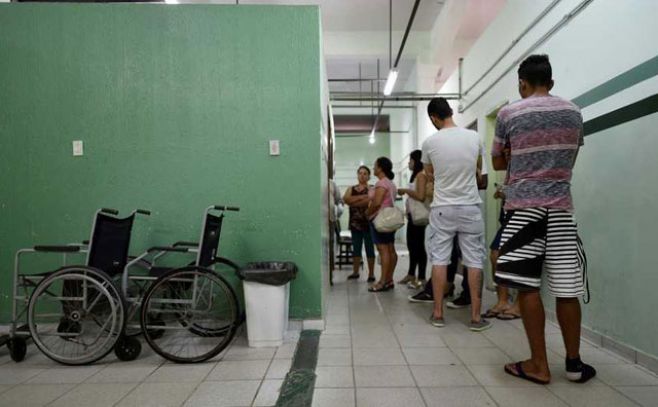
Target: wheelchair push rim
76	315
198	315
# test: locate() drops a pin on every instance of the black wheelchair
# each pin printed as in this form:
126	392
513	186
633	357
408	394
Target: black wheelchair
76	313
187	314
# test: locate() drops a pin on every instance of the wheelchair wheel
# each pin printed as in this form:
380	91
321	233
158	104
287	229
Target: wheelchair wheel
127	348
199	310
76	315
17	348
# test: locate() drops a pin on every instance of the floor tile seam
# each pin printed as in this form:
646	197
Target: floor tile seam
118	402
349	321
76	385
404	357
550	389
196	386
262	381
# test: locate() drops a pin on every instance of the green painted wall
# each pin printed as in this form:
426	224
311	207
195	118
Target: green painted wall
175	105
615	192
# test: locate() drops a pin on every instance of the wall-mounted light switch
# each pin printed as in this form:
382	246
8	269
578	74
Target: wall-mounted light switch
274	147
78	149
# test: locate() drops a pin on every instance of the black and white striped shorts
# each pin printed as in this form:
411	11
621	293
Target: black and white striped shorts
538	240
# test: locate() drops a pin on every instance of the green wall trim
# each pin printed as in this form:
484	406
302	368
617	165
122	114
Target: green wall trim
644	71
624	114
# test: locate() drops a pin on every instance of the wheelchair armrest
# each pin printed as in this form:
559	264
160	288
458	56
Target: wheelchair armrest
57	249
188	244
168	249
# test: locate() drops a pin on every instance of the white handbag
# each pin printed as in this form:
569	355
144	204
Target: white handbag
419	211
389	219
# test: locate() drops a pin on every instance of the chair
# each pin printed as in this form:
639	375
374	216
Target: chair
345	254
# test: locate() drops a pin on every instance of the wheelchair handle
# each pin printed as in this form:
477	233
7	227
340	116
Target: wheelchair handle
226	208
143	212
110	211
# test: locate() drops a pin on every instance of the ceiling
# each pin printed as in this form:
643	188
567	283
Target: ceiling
363	15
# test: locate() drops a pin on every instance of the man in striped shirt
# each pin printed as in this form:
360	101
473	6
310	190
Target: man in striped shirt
542	134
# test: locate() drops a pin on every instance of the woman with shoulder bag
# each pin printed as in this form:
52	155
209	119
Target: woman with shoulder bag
417	208
381	198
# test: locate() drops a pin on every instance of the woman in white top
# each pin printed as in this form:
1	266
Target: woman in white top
417	192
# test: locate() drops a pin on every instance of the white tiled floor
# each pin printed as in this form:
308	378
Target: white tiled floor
240	376
379	350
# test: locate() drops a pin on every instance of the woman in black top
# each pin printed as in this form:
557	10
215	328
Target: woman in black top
357	199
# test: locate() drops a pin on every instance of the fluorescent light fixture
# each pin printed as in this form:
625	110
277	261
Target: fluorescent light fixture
171	1
390	82
371	139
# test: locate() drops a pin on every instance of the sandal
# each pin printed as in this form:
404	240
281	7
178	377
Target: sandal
371	279
407	279
353	276
518	372
507	316
377	288
389	286
491	313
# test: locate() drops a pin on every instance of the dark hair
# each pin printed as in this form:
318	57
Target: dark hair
440	108
536	70
416	155
363	167
387	166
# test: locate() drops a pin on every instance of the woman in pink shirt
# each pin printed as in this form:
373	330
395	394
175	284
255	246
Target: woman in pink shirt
382	196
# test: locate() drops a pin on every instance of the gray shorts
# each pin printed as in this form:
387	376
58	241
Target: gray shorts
464	221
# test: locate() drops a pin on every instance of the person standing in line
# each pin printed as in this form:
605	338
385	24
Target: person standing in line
502	309
464	298
452	154
383	196
544	134
356	197
415	233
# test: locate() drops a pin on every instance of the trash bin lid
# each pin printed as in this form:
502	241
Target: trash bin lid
269	272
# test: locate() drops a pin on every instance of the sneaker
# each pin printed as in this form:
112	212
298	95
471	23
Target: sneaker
416	285
579	372
481	325
421	297
460	302
437	322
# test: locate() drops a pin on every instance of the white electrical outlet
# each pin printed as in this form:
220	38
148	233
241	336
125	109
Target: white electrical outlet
78	148
274	147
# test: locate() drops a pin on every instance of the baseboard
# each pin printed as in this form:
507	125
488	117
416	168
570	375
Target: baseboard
313	324
622	350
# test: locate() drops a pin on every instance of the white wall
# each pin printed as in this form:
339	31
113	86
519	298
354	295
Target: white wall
605	39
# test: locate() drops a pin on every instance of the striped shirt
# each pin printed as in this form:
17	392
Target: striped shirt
543	134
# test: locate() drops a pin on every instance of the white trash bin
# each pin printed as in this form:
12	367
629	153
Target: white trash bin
267	299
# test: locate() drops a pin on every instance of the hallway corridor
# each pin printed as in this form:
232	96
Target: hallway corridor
379	350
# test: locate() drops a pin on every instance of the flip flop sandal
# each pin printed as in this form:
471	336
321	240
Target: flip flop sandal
371	279
377	289
491	314
389	286
353	276
522	375
504	316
